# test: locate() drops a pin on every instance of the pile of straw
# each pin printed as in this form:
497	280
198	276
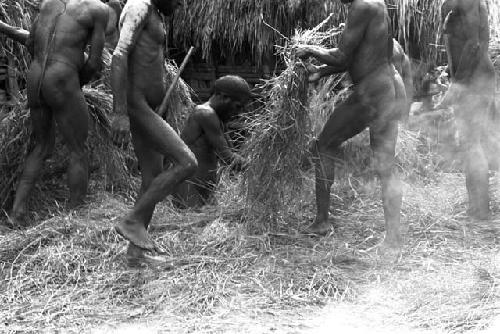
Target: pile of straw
279	138
15	142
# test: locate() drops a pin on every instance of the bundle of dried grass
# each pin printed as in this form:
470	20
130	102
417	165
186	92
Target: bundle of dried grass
280	135
180	102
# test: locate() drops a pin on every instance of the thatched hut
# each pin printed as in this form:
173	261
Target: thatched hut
240	36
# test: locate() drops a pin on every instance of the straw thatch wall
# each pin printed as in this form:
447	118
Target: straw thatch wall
222	27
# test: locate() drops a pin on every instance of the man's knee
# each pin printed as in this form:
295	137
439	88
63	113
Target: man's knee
384	165
189	162
44	149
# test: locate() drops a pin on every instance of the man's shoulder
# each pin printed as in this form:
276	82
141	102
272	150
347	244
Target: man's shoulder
204	113
137	6
136	10
368	5
366	9
96	8
203	110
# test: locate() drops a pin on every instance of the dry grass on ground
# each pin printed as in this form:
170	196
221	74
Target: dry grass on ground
68	272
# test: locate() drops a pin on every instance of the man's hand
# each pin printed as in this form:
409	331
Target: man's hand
314	72
120	130
450	98
303	51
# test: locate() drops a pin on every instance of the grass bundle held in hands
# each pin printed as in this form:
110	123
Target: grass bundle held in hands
279	137
279	141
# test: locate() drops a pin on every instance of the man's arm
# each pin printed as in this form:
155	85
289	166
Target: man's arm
97	39
17	34
407	75
318	72
352	36
133	20
213	132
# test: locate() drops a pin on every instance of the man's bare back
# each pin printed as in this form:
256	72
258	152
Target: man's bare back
64	28
58	39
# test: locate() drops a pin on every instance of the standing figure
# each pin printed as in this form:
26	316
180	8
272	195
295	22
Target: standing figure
365	52
204	135
57	40
472	91
137	81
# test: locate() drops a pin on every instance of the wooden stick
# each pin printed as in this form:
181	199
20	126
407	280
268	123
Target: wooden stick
163	106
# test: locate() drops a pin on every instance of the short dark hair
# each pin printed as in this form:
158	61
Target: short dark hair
233	86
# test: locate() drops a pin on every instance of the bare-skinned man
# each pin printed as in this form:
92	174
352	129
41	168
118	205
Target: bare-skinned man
204	135
365	52
137	74
472	91
57	40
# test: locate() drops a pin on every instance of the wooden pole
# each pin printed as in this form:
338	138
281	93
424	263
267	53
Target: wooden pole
163	106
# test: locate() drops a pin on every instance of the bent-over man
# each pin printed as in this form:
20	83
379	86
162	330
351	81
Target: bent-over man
365	52
57	40
472	91
204	134
137	80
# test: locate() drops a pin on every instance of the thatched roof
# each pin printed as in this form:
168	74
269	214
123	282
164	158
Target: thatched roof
232	26
254	26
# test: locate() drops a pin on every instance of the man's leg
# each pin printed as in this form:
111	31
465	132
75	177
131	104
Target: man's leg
159	136
383	137
348	119
151	164
72	118
472	125
42	123
44	137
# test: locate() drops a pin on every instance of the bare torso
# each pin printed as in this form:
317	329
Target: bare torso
371	68
373	54
200	142
63	29
467	31
147	61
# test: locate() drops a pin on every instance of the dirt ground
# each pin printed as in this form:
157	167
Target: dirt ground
445	281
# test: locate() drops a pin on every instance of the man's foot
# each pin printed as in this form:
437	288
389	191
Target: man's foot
4	229
477	214
136	234
137	257
319	228
19	219
389	251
